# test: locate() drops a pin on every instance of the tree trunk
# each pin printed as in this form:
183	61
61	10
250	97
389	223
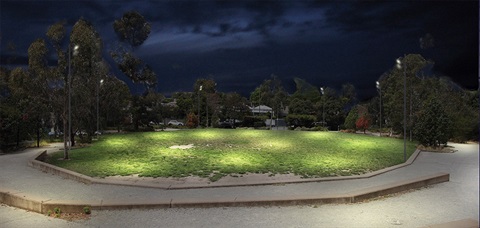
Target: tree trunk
72	139
38	133
18	134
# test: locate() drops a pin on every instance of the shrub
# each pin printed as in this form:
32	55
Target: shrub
433	125
87	210
351	119
192	120
363	123
300	120
252	121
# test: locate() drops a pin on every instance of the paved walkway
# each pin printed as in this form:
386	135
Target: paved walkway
462	166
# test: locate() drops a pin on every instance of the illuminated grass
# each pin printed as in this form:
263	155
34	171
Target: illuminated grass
220	152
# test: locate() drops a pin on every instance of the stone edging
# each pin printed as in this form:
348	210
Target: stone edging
36	204
38	163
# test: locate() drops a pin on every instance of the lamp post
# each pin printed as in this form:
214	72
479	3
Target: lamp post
69	144
323	106
198	104
401	65
98	109
380	92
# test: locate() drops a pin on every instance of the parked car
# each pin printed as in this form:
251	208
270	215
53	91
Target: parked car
175	123
226	124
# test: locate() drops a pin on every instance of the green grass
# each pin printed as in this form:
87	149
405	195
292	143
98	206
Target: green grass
220	152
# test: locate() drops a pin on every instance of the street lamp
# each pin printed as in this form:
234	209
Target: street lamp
380	91
198	104
68	145
402	65
98	109
323	106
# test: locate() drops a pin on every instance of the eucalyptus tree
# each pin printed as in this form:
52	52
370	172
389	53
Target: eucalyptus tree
133	29
56	34
88	71
205	91
115	100
16	105
39	92
235	106
393	91
270	93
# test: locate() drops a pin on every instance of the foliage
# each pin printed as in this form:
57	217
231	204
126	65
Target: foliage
132	28
433	123
87	210
363	123
350	121
249	121
270	93
300	120
192	120
393	91
88	71
309	154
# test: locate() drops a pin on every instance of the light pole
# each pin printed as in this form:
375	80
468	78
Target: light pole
401	65
69	144
98	109
198	104
323	106
380	92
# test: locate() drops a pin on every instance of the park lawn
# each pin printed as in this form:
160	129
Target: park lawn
220	152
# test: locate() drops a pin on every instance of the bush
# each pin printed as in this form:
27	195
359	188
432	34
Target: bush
351	119
300	120
254	121
192	120
433	125
363	123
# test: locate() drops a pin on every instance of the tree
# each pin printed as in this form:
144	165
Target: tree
87	72
363	123
393	91
235	106
348	96
305	91
56	34
39	92
115	99
270	93
432	127
207	102
350	121
132	28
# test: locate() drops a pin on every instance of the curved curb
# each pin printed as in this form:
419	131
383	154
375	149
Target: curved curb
42	205
38	163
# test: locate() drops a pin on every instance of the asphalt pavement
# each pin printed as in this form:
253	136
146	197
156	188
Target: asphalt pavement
455	200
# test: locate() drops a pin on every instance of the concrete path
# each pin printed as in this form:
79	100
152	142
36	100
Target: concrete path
446	202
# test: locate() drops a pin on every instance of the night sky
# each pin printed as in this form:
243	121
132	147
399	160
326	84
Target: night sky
241	43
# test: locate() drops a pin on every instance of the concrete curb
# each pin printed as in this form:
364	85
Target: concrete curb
464	223
18	199
38	163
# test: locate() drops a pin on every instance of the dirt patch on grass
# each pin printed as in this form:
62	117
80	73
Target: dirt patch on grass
183	147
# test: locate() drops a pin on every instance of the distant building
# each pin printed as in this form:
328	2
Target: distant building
172	104
261	109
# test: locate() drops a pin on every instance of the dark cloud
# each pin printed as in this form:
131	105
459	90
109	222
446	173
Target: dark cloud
241	43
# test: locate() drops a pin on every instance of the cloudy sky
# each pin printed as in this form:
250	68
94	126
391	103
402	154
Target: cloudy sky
241	43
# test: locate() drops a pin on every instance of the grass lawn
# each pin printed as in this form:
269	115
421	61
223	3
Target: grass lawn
220	152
